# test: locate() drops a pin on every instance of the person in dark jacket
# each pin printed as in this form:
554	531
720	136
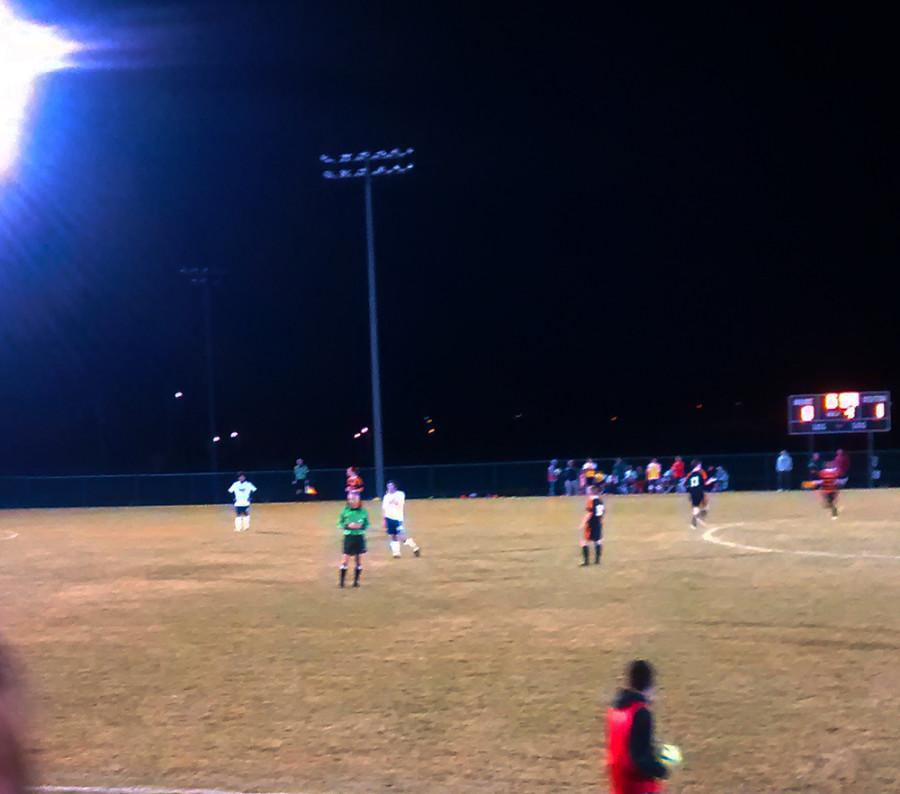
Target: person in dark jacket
631	757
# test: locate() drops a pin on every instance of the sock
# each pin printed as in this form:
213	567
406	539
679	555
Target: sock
343	574
598	552
585	552
246	522
395	548
237	523
356	574
411	543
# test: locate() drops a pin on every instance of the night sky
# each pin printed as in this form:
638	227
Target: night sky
618	213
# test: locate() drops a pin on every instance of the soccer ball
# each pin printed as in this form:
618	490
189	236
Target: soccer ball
670	755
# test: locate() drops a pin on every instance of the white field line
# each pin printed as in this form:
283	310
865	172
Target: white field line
710	537
141	790
9	535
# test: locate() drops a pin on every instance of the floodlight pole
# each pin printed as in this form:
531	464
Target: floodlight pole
373	342
365	170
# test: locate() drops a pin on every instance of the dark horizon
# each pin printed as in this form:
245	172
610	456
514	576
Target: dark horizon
612	214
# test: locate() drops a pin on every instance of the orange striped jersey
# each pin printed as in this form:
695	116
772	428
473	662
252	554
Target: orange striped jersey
829	478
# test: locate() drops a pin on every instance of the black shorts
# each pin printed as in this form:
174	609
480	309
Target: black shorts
830	496
698	498
593	532
354	544
242	511
393	527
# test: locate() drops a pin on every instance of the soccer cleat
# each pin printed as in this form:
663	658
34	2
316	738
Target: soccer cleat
417	552
583	564
396	556
694	521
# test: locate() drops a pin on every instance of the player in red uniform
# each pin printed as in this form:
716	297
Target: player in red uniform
631	757
355	483
592	526
829	482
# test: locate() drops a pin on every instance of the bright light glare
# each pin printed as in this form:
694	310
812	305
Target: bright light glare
234	434
26	52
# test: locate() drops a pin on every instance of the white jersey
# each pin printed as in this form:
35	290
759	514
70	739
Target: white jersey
392	505
242	492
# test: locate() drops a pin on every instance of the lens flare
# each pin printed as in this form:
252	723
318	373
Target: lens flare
27	51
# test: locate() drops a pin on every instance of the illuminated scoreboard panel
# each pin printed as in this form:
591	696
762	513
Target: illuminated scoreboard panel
839	412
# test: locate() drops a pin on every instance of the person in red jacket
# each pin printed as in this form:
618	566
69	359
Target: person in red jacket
631	758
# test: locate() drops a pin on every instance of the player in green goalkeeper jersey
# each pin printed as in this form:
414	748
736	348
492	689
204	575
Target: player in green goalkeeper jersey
353	522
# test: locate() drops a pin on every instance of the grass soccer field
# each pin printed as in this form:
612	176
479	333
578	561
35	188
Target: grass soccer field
163	649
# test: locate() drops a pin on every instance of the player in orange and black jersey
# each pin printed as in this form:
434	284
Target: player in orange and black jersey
354	482
592	526
829	480
697	483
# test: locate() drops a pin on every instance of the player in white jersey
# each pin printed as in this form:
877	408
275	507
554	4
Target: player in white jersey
242	489
392	507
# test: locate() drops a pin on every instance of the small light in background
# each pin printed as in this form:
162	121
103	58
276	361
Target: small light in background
217	439
430	431
357	435
364	430
234	433
179	395
698	406
614	419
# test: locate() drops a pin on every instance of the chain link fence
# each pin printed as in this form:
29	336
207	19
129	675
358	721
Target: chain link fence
747	472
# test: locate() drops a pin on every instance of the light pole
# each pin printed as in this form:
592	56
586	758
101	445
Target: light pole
366	166
203	277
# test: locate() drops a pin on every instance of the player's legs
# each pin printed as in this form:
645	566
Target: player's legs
344	560
598	551
585	552
696	509
408	541
392	527
245	520
357	571
238	523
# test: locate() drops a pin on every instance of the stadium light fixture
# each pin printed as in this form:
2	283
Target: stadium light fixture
179	395
234	434
27	51
366	166
217	439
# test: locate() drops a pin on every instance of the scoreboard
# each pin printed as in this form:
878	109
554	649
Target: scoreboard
839	412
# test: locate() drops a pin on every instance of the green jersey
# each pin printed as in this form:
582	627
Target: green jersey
354	515
301	472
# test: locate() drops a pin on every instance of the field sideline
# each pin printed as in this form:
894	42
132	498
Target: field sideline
164	650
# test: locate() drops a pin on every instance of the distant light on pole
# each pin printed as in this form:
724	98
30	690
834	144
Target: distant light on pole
217	439
234	434
357	435
364	430
365	166
179	395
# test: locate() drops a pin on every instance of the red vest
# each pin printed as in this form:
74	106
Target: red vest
624	776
